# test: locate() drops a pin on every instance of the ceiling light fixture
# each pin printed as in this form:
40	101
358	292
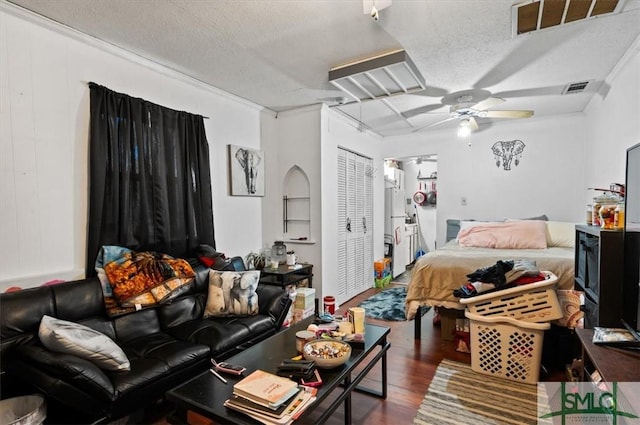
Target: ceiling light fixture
373	7
374	13
464	128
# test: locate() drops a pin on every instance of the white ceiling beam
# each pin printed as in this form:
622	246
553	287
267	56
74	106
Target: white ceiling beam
377	83
340	87
395	79
413	74
361	87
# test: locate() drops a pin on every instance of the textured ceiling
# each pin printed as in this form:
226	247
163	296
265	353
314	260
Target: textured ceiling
278	53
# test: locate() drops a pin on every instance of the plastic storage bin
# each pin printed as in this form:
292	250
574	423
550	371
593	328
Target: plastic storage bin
23	410
534	302
506	347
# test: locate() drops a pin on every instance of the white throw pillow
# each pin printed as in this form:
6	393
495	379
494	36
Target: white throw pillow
560	233
82	341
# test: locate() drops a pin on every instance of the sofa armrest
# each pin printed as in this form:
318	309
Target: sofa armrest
45	370
274	301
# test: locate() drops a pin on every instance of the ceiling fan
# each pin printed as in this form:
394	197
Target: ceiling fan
466	107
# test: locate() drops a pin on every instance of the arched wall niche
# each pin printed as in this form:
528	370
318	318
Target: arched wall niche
296	205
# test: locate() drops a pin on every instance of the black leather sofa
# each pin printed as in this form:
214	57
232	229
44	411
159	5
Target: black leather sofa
165	345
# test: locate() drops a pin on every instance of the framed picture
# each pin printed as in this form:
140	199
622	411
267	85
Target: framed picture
246	171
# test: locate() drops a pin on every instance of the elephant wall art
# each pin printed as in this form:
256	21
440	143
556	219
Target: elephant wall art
507	153
246	168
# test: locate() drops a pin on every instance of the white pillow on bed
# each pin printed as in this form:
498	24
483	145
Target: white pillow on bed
560	233
526	234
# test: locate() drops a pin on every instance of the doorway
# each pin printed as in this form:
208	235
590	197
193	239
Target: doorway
416	179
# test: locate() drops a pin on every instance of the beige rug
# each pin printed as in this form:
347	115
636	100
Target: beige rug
457	395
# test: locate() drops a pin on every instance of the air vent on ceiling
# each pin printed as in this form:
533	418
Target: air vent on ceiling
575	87
535	15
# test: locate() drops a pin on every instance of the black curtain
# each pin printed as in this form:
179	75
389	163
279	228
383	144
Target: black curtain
149	177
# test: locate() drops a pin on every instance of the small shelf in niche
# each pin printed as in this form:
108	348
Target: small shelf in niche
296	206
301	242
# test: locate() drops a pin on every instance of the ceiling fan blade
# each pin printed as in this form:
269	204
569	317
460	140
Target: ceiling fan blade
473	124
507	114
421	110
430	92
434	124
489	102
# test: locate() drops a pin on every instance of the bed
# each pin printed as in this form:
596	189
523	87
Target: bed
436	274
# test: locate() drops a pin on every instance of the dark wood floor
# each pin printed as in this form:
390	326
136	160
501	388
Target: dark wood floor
411	366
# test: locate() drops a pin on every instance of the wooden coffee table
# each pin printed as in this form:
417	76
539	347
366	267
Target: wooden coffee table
205	394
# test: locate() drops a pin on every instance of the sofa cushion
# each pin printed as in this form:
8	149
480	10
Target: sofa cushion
156	355
220	334
232	293
73	338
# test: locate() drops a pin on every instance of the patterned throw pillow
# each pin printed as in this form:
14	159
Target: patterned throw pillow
73	338
135	280
232	293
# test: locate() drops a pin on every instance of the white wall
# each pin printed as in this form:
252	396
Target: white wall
613	124
548	180
44	118
293	139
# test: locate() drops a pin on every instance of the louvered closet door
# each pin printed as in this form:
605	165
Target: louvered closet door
367	249
355	219
353	271
341	295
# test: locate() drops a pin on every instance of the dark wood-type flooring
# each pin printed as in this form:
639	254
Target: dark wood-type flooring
411	365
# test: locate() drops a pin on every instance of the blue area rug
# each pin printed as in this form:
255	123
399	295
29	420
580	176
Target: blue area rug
387	304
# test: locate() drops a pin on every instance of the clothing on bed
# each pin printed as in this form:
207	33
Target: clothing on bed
501	275
438	273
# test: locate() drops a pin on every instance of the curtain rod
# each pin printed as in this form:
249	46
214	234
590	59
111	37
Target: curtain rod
89	83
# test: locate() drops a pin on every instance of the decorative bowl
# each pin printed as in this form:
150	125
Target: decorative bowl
327	353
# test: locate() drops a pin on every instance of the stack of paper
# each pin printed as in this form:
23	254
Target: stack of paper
269	398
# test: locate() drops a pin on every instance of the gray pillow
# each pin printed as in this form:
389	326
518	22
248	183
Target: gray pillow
82	341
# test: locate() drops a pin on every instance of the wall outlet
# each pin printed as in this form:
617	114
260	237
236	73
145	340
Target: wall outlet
463	201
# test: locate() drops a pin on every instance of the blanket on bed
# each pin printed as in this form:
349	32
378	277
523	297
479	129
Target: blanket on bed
438	273
133	280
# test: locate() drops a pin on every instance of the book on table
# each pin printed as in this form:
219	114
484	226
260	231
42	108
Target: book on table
284	414
266	389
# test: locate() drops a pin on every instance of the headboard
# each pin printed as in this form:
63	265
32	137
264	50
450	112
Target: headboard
453	227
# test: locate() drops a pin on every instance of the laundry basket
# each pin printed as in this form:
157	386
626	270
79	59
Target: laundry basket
506	347
534	302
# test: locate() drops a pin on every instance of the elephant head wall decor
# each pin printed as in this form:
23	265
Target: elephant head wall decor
506	152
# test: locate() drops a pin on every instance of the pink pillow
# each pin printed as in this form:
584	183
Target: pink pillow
510	235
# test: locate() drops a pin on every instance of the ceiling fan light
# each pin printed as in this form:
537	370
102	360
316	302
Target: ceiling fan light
464	129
